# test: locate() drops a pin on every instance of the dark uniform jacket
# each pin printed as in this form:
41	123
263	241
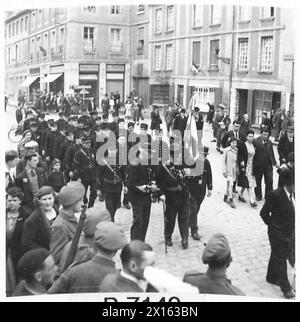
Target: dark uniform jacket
56	180
138	175
279	214
60	139
63	152
50	144
285	147
70	153
180	124
264	154
116	283
155	120
197	184
211	283
111	178
85	165
36	232
83	278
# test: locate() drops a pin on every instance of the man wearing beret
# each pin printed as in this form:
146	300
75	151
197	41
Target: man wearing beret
86	248
86	169
87	277
64	226
217	255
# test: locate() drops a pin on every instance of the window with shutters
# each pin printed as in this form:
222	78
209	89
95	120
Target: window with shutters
169	57
197	15
157	58
115	10
115	39
266	59
244	13
170	18
158	20
215	15
196	53
267	12
88	38
214	47
243	54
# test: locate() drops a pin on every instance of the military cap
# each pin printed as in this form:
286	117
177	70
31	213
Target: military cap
144	126
216	249
182	110
45	190
290	129
196	109
31	262
222	106
94	215
110	236
130	124
71	193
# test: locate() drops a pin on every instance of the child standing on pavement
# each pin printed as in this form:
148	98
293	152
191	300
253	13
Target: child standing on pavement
230	170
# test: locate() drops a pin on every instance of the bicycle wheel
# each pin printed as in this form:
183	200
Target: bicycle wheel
14	136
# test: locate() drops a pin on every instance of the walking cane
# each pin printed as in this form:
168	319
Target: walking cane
164	209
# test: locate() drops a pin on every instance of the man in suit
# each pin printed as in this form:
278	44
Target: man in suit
105	105
30	180
286	145
266	122
235	132
180	122
263	163
278	213
135	257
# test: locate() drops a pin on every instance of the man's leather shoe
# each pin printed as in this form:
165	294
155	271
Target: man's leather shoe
169	242
289	295
185	243
196	236
242	199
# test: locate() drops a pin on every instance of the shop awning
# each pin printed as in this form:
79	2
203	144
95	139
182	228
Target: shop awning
50	78
29	80
88	77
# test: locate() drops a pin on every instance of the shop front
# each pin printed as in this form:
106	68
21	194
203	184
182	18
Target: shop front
55	79
89	79
115	76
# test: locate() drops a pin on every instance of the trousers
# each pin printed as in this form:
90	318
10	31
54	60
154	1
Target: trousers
277	268
194	207
268	177
92	184
112	203
141	215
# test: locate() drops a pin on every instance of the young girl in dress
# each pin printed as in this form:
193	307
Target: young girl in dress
230	170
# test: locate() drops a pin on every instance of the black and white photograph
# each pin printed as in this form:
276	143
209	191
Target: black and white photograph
149	150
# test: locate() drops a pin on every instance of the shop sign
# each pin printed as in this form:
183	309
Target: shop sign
88	68
115	68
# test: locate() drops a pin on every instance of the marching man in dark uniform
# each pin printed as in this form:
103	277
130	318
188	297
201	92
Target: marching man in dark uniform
70	153
197	187
111	177
86	170
170	180
140	177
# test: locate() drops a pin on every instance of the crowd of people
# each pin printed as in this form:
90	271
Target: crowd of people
59	167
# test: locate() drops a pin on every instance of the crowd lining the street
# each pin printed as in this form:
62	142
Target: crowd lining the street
56	170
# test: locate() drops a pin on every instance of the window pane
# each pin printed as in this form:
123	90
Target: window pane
214	45
170	18
216	14
196	53
198	15
157	58
158	21
266	53
169	57
243	54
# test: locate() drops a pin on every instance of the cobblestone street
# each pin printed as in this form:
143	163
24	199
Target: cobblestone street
243	227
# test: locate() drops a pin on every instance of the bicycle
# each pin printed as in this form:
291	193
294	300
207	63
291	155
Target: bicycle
15	134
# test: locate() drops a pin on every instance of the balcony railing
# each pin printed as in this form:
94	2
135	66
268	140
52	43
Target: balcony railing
116	47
